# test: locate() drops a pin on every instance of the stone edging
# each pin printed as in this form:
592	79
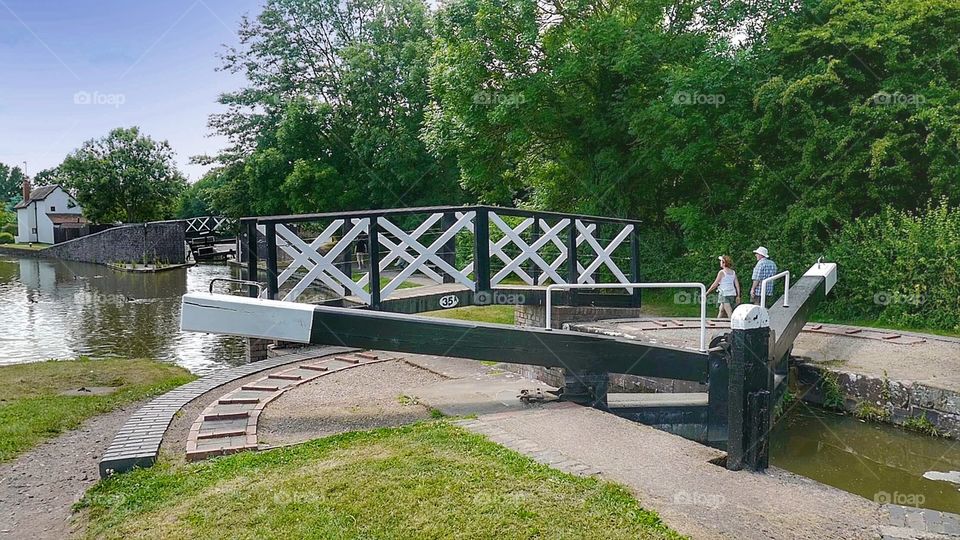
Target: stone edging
137	444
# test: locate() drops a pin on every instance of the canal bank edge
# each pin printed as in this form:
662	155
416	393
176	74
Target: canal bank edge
915	406
163	241
920	407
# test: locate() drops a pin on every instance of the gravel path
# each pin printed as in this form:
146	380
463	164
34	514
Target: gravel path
38	488
363	398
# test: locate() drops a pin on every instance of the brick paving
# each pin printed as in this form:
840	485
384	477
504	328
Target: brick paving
137	443
229	424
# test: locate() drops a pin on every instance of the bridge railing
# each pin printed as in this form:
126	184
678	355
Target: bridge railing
369	256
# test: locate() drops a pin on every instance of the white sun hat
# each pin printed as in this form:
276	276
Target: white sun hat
762	251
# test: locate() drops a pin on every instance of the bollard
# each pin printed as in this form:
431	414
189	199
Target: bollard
750	389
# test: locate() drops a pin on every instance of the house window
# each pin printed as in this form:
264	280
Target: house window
34	231
53	208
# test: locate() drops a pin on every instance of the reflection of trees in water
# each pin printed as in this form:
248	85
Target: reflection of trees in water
68	308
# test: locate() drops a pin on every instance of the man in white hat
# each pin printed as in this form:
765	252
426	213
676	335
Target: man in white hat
765	268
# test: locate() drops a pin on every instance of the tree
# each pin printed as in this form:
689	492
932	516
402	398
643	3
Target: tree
124	176
331	115
11	182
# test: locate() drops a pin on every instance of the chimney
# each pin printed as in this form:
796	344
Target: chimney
26	189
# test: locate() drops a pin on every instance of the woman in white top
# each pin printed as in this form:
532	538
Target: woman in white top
728	285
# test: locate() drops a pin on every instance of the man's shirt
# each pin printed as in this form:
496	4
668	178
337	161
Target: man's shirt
765	268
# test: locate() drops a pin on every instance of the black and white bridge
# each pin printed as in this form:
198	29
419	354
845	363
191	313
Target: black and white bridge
358	279
205	233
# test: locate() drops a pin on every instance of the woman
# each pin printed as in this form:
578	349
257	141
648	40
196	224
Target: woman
728	285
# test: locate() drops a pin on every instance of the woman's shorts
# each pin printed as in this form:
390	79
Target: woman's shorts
732	300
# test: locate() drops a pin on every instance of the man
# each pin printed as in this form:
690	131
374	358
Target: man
765	268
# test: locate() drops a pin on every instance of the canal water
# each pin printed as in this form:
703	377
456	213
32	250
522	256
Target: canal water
880	462
62	309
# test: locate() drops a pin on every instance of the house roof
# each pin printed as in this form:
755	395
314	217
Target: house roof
59	219
38	194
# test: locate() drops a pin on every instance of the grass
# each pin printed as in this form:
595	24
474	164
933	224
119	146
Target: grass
32	407
487	314
26	247
428	480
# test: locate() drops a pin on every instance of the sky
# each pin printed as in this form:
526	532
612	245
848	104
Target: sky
72	70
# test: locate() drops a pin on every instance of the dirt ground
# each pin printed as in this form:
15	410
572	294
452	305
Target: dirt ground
370	397
38	489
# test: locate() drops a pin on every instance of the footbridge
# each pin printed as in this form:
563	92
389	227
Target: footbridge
359	279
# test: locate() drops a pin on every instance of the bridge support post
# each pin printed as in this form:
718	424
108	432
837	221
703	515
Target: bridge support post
586	387
750	389
449	250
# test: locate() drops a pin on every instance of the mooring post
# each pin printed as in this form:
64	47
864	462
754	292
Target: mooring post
750	389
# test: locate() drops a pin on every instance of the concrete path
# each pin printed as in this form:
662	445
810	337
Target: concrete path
928	359
667	473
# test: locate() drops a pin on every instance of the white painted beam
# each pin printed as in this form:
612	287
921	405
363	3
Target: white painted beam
248	317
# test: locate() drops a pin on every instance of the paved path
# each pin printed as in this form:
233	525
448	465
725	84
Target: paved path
913	358
667	473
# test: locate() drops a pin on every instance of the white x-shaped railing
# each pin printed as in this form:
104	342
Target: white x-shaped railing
321	258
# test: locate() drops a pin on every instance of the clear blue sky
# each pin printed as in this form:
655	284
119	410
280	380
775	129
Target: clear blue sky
71	70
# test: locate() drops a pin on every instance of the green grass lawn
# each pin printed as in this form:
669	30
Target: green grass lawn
27	247
427	480
32	407
489	314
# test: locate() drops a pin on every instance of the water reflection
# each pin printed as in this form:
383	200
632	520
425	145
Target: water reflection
62	309
879	462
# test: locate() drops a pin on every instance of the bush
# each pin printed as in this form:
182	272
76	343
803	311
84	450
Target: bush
9	228
900	268
6	238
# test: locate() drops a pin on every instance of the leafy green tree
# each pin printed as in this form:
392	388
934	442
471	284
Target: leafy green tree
11	181
331	115
124	176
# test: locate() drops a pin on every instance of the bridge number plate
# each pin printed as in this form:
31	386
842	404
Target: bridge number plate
449	301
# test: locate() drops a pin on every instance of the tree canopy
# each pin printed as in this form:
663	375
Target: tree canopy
124	176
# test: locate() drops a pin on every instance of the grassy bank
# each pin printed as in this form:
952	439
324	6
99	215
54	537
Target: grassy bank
37	401
428	480
26	247
489	314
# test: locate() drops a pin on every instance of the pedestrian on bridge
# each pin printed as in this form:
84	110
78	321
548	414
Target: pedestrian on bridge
728	287
765	268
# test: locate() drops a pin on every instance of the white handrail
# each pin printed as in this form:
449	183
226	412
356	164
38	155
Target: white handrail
701	286
786	289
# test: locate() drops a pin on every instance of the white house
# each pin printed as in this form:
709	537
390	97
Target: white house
43	208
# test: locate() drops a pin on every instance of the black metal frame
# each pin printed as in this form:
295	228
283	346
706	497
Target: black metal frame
482	267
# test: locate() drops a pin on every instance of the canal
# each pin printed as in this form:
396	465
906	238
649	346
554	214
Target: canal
62	309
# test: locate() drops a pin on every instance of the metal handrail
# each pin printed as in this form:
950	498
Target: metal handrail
631	286
786	289
294	218
241	282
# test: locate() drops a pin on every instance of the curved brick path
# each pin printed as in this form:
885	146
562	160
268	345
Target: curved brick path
137	444
229	424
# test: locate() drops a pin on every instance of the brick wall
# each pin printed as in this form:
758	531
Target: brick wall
160	241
